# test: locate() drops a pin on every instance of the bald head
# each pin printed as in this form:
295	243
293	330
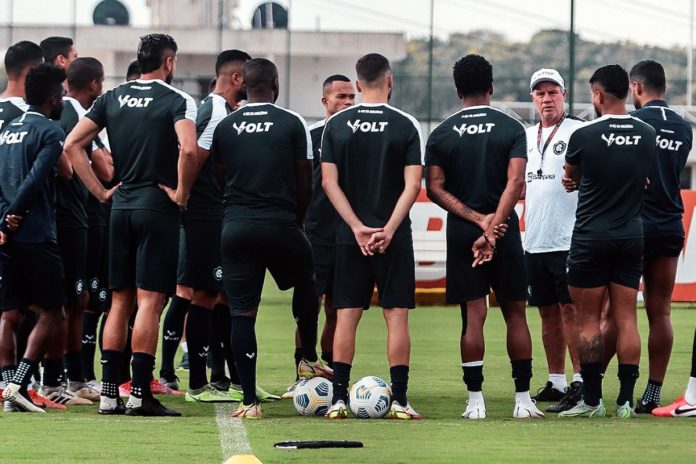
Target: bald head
260	75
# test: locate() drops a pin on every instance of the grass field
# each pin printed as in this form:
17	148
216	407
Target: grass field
436	390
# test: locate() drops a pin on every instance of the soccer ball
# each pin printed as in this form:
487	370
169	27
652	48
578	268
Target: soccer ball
370	398
313	397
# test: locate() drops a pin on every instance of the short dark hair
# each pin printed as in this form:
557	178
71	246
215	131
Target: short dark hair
20	55
473	75
83	71
43	81
613	79
151	51
52	47
259	73
133	71
335	78
371	67
651	74
230	56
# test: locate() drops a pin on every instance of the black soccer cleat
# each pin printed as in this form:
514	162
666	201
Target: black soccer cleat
119	410
645	407
572	397
151	407
548	393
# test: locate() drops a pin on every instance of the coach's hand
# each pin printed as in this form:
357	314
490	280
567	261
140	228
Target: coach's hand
363	234
13	221
380	241
483	250
569	184
175	196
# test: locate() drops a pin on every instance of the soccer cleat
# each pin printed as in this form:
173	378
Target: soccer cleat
337	410
548	393
236	394
151	407
679	408
403	412
475	409
111	406
158	388
524	410
290	392
184	364
583	410
572	396
62	396
95	385
43	402
14	395
221	385
83	390
625	411
265	396
124	390
244	411
318	368
171	382
645	407
207	394
9	406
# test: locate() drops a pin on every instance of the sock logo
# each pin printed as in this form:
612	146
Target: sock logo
250	355
170	335
89	340
204	353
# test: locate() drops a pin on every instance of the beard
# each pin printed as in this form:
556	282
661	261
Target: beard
242	94
169	77
56	112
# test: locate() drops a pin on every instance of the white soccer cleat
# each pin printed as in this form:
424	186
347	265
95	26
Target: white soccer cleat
475	409
526	410
397	411
83	390
62	396
13	395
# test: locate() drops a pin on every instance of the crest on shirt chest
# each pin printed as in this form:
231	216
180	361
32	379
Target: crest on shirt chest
559	147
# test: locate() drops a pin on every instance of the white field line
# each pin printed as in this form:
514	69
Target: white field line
233	436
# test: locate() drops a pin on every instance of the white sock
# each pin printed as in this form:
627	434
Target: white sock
577	377
184	347
559	381
476	396
690	395
107	404
134	402
523	397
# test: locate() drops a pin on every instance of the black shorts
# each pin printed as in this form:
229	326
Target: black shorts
548	284
33	275
98	268
143	250
506	273
199	255
669	246
72	242
324	266
251	247
393	272
596	263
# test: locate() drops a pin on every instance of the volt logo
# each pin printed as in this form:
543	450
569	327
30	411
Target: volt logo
366	126
668	144
9	138
252	127
621	139
472	129
134	102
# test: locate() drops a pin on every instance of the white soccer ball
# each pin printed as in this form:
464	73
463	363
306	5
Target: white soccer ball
313	397
370	398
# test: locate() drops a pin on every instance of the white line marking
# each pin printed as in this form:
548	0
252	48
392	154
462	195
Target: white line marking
233	436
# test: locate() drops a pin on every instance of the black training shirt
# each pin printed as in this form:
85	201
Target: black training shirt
663	209
11	108
371	144
615	154
322	219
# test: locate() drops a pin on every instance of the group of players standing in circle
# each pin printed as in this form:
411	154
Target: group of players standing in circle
199	201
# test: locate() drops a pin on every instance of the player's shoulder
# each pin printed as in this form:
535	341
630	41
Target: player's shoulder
40	124
17	102
317	128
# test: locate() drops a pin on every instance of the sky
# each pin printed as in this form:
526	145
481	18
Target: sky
600	20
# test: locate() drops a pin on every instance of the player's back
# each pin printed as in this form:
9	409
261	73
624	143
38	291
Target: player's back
615	154
139	117
474	147
663	204
258	146
371	144
11	108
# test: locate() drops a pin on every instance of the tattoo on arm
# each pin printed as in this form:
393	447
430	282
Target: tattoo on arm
591	350
449	202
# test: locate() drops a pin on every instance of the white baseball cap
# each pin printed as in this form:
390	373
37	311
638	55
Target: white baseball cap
546	75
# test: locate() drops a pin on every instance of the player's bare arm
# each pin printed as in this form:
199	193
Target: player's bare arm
79	138
510	196
303	187
65	169
338	199
190	163
103	164
571	178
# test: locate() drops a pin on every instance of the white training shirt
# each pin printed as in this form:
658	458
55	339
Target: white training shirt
549	209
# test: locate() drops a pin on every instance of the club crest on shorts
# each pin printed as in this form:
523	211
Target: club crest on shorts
102	295
217	273
559	147
94	284
529	291
79	287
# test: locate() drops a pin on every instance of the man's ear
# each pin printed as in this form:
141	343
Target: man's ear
358	86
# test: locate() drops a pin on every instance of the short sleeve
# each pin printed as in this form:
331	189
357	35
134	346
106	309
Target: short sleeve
327	152
302	141
574	151
415	149
214	149
432	157
208	123
519	143
185	108
98	111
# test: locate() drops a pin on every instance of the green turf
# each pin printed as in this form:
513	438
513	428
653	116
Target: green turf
436	390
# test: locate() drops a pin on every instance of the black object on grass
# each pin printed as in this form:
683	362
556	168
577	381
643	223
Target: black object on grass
318	444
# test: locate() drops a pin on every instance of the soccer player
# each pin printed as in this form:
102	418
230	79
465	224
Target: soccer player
133	71
475	165
33	271
685	405
266	155
609	159
322	220
549	217
663	228
149	123
85	78
371	169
